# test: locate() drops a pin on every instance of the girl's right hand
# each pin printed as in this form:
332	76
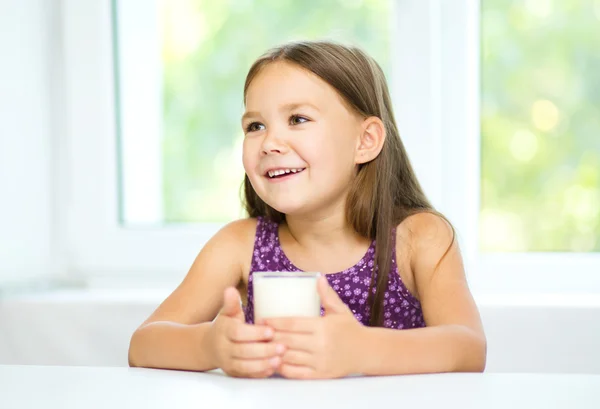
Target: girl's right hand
240	349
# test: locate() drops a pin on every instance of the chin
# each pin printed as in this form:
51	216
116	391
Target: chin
285	207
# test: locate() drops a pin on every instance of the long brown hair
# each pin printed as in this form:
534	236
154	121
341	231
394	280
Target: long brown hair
385	190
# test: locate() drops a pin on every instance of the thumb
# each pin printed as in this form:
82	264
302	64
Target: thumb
329	299
232	304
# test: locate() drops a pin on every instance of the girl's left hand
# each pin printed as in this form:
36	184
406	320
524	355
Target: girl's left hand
320	347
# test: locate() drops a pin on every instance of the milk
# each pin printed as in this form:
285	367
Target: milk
285	294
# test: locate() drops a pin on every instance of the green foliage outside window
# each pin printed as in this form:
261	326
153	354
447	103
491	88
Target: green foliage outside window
540	107
540	131
208	47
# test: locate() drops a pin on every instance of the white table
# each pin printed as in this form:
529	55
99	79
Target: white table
54	387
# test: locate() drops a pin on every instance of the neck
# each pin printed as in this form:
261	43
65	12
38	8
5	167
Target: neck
321	229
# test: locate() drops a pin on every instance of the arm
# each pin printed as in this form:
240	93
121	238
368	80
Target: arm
175	336
444	348
453	340
168	344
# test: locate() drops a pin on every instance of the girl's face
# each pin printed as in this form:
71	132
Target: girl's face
300	142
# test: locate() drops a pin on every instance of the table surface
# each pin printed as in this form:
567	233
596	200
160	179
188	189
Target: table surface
105	387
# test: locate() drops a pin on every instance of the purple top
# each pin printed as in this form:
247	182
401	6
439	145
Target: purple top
401	309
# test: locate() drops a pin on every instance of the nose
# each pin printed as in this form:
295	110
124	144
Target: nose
272	145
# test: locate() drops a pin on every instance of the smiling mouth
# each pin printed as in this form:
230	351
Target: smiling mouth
281	173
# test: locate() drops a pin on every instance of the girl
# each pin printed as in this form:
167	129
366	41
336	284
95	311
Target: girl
328	187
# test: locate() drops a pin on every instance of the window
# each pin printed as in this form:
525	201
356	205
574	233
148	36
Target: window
540	126
181	74
497	107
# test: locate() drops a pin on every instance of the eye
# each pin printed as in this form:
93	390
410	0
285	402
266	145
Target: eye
254	127
297	120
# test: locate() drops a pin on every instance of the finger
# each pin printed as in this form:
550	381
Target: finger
296	372
256	350
249	333
296	324
254	367
260	321
299	342
232	304
329	298
298	358
256	375
261	375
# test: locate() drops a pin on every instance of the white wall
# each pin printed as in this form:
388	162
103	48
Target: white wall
94	327
29	77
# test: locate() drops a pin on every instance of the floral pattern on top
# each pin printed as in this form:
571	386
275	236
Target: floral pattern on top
401	310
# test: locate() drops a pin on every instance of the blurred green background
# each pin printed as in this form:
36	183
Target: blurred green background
540	107
540	130
208	47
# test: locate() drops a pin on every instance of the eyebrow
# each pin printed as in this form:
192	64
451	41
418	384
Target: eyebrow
284	108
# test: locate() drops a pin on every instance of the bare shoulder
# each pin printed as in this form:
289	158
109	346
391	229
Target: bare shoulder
426	228
438	271
219	264
234	242
238	232
427	240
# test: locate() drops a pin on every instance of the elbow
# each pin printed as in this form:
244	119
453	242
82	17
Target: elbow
476	354
131	357
471	352
130	360
483	356
478	364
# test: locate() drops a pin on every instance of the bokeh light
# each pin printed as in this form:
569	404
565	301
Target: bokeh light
523	145
540	126
544	115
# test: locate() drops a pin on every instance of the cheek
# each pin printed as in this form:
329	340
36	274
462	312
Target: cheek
339	148
248	158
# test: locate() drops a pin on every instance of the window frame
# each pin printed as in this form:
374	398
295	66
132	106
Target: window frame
435	89
100	248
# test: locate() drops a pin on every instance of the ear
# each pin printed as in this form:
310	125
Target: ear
371	140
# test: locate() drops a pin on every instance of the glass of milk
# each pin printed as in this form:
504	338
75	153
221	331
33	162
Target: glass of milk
285	294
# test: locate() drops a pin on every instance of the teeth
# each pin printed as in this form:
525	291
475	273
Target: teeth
273	173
